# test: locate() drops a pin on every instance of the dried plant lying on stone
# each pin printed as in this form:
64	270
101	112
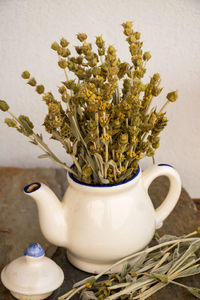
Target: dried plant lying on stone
105	120
153	269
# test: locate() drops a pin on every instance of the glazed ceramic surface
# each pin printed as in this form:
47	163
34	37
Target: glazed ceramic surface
101	224
32	276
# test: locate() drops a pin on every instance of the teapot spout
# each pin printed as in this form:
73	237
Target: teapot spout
51	213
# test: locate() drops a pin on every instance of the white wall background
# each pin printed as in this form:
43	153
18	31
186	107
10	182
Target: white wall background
170	30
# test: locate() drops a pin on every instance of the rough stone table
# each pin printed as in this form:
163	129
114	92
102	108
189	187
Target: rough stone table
19	225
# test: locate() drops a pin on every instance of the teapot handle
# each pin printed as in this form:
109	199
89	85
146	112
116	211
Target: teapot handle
170	201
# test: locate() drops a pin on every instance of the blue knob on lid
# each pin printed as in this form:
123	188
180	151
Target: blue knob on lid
34	250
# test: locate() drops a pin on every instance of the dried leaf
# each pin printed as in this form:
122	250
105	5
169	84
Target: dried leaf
40	136
141	282
91	162
129	278
100	163
102	179
195	269
189	253
44	155
126	174
33	142
88	295
167	238
75	145
139	262
165	268
125	268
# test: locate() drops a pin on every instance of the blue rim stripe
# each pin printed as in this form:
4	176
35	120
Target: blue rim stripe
166	165
27	187
105	185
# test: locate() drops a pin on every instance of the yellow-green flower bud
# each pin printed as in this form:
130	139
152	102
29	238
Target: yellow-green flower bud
131	39
156	145
96	71
87	171
172	97
26	75
100	42
3	105
79	50
79	60
60	50
156	91
134	164
64	43
111	50
65	97
126	83
137	35
40	89
137	62
81	36
48	98
55	46
117	123
150	152
128	31
70	84
101	51
128	24
124	138
62	63
26	123
66	52
32	82
123	69
156	77
61	89
93	62
133	49
11	122
146	56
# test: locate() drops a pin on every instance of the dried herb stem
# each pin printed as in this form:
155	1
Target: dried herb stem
40	143
175	244
163	259
97	128
151	291
163	107
66	75
71	293
152	97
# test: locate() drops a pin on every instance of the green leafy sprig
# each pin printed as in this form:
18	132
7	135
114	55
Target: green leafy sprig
152	269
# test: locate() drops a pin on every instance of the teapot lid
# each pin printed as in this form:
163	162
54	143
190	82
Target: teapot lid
33	273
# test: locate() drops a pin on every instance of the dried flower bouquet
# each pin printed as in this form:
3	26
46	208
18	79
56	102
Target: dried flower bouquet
105	120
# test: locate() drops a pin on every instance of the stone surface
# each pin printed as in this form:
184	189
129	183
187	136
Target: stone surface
19	225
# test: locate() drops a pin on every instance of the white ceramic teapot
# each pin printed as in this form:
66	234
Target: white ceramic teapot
101	224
